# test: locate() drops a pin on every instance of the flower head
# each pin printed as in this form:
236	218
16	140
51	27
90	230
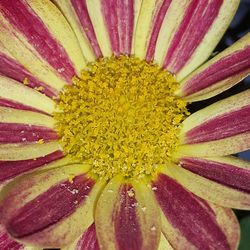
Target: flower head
98	149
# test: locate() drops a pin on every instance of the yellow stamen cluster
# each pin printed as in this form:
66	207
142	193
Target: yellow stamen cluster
121	117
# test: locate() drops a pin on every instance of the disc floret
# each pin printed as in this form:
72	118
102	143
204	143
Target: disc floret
121	117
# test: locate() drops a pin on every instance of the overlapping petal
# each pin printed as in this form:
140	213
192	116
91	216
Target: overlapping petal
181	35
23	97
31	31
24	134
15	133
77	14
7	243
11	67
26	151
52	208
206	21
222	180
96	14
114	22
129	212
189	222
164	244
17	116
220	73
222	128
87	241
12	169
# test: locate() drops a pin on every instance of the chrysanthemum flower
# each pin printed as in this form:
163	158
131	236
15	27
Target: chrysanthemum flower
97	147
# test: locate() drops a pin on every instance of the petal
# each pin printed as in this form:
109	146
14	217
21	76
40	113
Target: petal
164	244
220	129
191	223
110	16
11	169
26	135
127	12
222	180
129	212
219	74
26	151
119	20
56	59
9	66
10	115
87	241
148	9
116	20
16	92
206	20
16	133
6	243
96	14
229	171
77	14
50	209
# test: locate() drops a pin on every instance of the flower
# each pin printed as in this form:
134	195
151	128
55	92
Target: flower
98	149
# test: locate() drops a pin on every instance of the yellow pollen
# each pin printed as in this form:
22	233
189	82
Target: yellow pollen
130	193
40	141
26	81
71	178
121	117
40	88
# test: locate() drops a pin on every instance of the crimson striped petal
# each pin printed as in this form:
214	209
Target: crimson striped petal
50	209
26	135
222	126
220	73
147	18
119	21
6	243
31	31
9	66
189	222
197	20
189	32
12	115
158	18
220	129
17	105
130	214
11	169
15	133
114	22
77	14
221	172
222	180
87	241
17	95
22	223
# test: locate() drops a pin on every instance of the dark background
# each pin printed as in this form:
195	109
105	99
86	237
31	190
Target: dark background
238	28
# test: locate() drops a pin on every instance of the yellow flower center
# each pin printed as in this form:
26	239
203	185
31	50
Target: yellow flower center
121	117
